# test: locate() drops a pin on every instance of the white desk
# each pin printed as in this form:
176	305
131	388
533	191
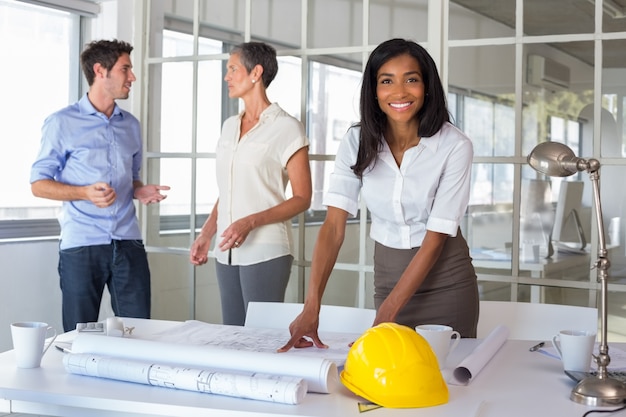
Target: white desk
515	383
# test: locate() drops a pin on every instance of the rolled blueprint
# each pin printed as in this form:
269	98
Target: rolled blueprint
320	374
272	388
480	356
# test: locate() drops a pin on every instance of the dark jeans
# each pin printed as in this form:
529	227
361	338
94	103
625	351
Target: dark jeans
122	266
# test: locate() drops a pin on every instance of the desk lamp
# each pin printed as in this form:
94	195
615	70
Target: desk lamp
555	159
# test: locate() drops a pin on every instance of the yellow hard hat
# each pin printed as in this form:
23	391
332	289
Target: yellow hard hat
393	366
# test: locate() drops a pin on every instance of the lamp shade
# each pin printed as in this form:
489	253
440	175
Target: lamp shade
554	159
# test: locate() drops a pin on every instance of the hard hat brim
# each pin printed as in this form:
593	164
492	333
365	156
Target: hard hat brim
397	401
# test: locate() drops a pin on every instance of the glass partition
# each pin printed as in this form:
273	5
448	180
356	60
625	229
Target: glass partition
557	17
340	28
511	81
407	20
471	19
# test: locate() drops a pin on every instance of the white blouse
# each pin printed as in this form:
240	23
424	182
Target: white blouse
429	191
252	177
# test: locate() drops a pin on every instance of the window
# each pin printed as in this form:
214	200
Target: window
333	108
488	123
41	73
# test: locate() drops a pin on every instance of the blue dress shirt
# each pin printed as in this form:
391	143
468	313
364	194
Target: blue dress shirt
81	146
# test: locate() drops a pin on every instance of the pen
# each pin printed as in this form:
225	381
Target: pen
62	349
537	346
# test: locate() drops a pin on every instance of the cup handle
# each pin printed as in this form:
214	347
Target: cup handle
52	341
556	346
456	339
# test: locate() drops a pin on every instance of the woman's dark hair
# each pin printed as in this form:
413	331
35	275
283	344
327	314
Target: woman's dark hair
103	52
258	53
431	117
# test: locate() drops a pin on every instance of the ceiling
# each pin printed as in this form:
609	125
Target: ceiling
543	17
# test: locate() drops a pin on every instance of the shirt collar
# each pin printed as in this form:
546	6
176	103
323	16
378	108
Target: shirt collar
433	142
86	107
270	113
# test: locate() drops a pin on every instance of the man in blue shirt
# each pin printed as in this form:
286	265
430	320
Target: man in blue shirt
90	158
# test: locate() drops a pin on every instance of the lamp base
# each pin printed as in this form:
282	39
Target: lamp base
599	392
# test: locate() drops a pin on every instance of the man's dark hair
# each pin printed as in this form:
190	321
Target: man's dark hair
103	52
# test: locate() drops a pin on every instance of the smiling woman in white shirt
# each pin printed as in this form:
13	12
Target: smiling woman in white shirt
259	151
412	167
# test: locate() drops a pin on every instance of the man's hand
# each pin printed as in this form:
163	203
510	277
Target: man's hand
148	194
101	194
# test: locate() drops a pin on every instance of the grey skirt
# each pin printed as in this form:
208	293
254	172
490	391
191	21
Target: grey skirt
448	295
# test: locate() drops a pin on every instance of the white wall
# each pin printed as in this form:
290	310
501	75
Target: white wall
29	286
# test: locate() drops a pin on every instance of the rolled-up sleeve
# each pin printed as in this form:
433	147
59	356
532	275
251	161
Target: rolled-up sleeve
453	191
344	186
49	161
298	140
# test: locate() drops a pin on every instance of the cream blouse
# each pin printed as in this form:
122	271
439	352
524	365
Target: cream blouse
252	177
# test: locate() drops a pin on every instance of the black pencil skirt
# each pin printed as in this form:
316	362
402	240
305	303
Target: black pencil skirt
448	295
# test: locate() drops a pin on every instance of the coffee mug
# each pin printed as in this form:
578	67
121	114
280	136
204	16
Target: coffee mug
28	342
115	326
575	347
442	339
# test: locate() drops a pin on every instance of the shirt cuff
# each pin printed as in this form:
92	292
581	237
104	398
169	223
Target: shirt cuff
446	226
341	202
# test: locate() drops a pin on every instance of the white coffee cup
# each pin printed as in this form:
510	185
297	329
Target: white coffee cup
115	326
28	342
442	339
575	347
